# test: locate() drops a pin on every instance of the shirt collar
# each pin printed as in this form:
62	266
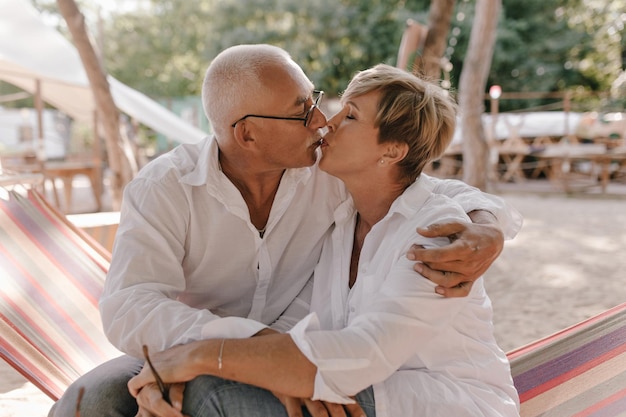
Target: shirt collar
211	171
407	204
208	152
412	199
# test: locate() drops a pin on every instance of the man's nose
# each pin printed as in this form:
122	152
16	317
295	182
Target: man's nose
319	118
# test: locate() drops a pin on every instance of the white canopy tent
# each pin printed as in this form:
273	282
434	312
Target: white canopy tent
39	60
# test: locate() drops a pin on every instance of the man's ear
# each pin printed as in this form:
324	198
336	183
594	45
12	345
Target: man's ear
396	152
244	136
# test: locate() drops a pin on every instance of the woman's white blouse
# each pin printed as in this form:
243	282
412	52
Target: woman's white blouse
424	354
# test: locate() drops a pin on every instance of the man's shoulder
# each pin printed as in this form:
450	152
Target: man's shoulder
176	163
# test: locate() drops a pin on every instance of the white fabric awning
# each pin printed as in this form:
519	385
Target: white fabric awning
31	51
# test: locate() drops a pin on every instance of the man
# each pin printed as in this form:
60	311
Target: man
219	239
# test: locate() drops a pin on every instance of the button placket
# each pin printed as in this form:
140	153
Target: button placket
264	269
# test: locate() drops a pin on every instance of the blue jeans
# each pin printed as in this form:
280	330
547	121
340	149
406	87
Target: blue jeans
106	395
106	391
209	396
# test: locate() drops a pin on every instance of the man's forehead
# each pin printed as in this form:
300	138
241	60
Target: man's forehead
294	73
294	91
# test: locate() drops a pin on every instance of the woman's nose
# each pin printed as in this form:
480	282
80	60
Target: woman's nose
334	121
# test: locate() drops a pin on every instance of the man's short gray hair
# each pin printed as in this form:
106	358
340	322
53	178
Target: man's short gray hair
234	77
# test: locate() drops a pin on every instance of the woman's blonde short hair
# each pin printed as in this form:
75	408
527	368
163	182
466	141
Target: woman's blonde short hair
410	110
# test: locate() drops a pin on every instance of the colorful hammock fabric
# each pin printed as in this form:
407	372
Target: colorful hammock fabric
577	372
52	277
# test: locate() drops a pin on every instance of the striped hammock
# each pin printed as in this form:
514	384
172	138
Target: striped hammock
577	372
53	273
52	277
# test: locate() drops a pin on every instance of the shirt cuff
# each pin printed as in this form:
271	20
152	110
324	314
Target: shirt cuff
509	219
321	390
231	328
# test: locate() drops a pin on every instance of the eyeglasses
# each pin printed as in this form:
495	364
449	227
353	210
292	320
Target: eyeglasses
306	119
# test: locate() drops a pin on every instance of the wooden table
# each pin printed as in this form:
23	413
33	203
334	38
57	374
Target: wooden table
614	155
26	162
513	158
66	171
8	179
562	156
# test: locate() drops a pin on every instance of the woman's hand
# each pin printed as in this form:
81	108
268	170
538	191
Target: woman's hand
319	408
151	402
177	364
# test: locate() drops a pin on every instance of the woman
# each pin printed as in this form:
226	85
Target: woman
375	330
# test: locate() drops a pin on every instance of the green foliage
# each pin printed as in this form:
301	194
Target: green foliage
551	45
162	47
160	51
164	50
330	39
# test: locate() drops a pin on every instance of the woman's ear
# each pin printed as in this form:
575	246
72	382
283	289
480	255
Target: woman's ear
396	152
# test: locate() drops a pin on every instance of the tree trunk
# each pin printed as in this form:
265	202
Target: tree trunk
439	17
472	86
108	114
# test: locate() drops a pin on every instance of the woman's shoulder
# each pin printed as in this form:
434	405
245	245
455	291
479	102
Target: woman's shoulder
432	207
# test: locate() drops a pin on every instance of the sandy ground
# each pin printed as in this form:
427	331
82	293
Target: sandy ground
566	265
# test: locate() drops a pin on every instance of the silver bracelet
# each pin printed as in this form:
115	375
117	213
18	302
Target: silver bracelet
219	357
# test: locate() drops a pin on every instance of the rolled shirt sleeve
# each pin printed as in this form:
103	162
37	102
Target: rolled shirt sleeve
405	314
471	198
139	304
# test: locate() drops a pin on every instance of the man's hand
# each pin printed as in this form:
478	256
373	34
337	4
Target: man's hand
473	248
319	408
152	404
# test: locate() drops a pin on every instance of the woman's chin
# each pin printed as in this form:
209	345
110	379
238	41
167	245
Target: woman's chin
324	164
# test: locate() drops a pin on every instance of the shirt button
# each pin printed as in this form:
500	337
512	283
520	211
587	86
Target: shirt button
352	309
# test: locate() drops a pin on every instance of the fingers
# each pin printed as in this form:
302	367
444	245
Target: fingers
354	410
143	413
324	409
138	381
457	250
450	284
176	395
335	410
316	408
456	266
442	278
442	229
319	408
292	405
149	399
460	290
